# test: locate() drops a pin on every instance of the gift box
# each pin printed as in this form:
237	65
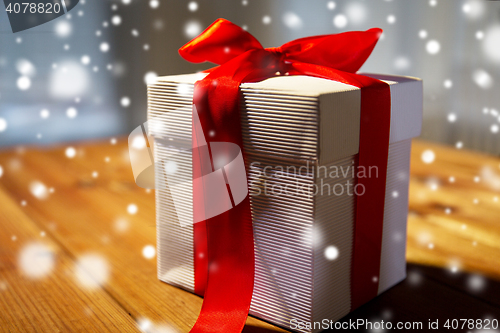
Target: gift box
301	143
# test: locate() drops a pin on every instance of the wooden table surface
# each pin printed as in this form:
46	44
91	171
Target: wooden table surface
70	216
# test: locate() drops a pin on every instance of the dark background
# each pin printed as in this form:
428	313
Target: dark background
461	80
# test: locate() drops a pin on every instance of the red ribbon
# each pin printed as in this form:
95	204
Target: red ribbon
223	245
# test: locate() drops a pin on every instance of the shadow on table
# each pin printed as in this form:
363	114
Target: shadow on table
427	295
255	329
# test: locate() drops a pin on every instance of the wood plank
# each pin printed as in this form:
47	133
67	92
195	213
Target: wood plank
82	214
467	237
33	302
83	211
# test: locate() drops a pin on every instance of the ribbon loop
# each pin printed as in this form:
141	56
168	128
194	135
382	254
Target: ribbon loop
346	51
219	43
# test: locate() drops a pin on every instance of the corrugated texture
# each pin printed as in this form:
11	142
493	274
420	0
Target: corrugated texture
282	219
334	216
282	127
393	261
170	118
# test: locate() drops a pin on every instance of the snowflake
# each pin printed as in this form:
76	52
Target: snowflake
71	112
39	190
433	47
116	20
331	252
23	83
70	152
482	78
132	209
149	252
104	47
91	271
36	260
340	21
428	156
85	59
125	101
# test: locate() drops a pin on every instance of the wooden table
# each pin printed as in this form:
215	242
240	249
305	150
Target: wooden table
74	213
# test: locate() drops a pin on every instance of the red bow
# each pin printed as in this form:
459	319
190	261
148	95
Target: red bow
225	275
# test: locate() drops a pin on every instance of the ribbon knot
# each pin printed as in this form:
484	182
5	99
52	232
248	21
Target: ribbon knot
225	276
281	64
224	41
276	51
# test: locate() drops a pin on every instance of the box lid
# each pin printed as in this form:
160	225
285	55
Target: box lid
328	110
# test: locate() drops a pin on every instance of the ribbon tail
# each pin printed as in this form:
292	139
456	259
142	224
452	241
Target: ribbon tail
229	236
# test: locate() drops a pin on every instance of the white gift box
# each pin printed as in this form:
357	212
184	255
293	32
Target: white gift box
303	239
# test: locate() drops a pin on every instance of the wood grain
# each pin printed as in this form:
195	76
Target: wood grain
33	302
86	213
455	223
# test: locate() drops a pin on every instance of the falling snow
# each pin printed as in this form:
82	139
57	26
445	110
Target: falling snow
491	44
70	152
23	83
402	63
63	28
340	21
25	67
70	79
193	6
356	12
192	29
331	252
428	156
150	77
121	225
85	60
433	47
170	167
154	4
125	101
91	271
104	47
3	125
482	78
292	20
473	9
476	283
36	260
149	252
116	20
39	190
71	112
132	209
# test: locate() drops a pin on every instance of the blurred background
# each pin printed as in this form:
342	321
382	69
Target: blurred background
83	76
